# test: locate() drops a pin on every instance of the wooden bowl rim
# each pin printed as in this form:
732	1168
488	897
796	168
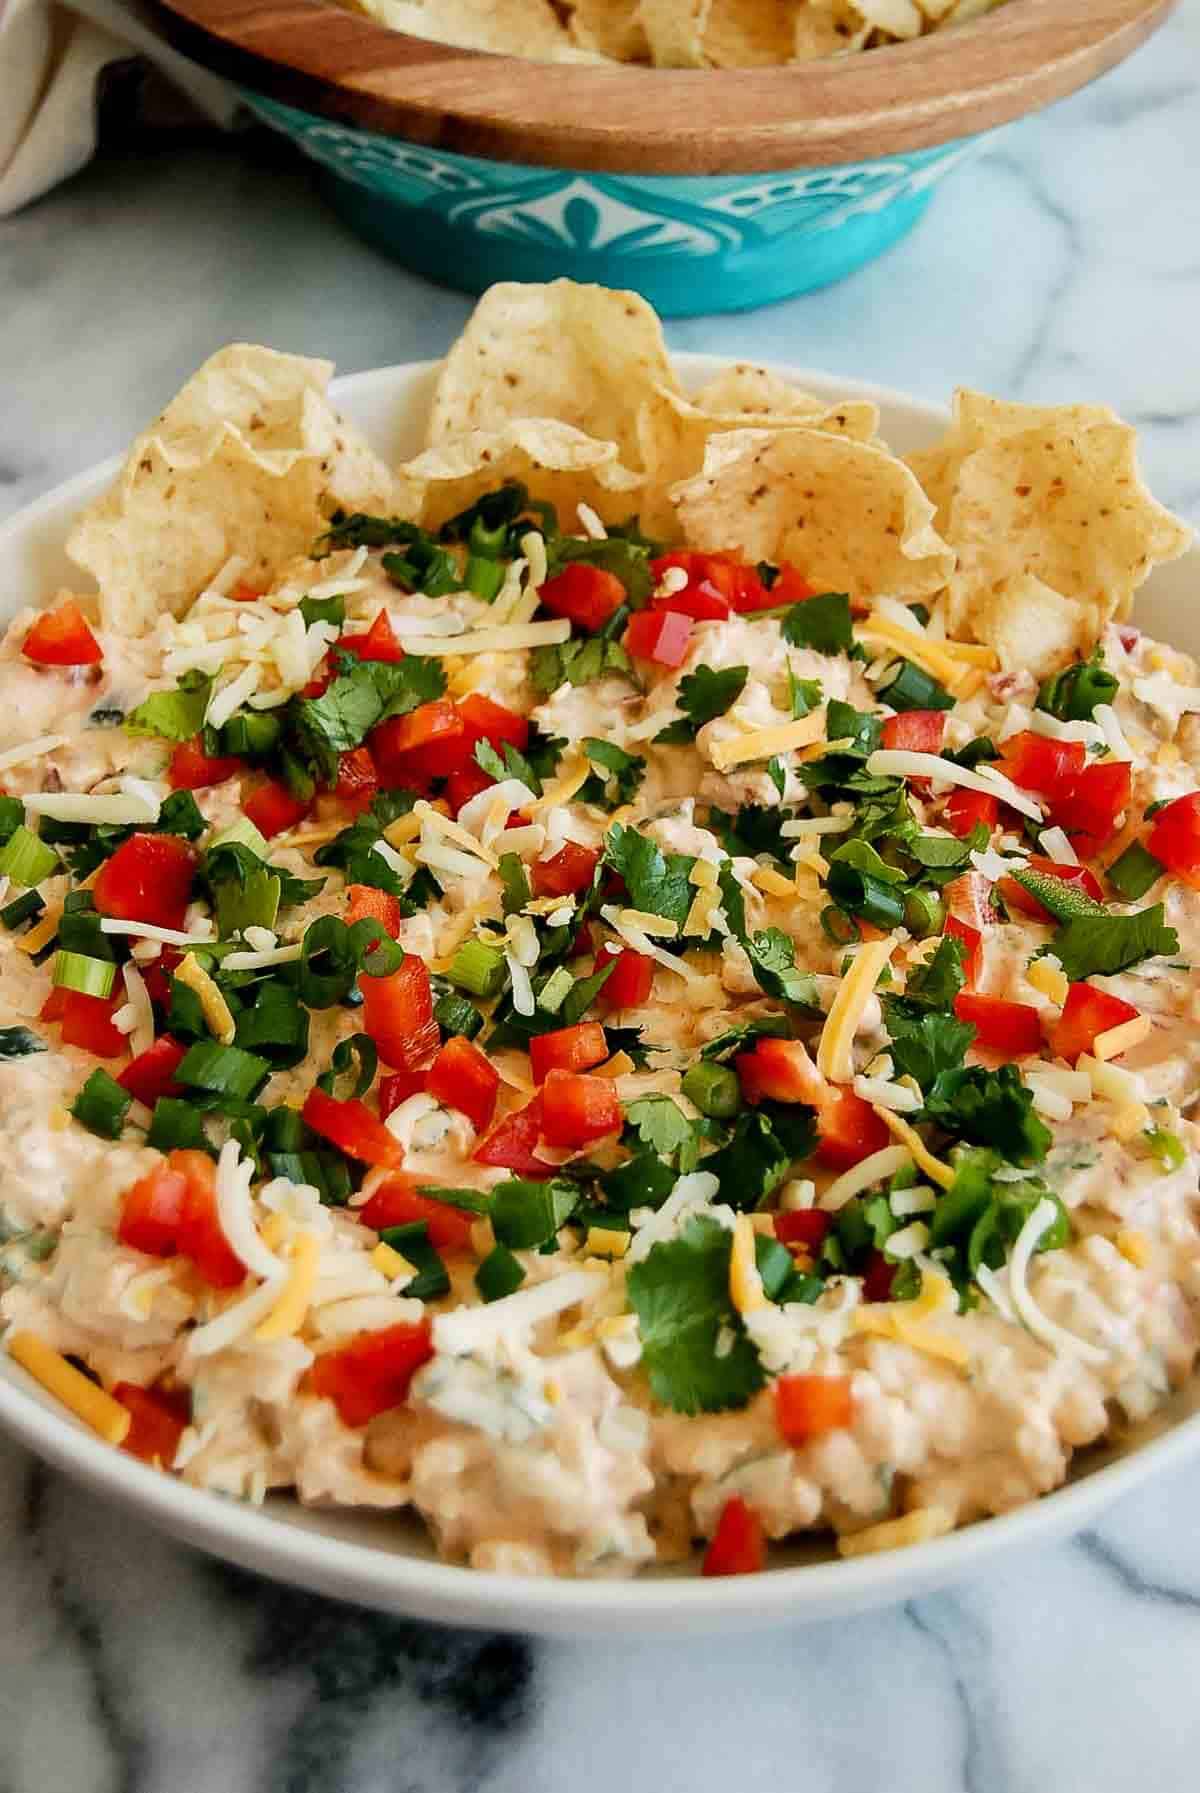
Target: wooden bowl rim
321	58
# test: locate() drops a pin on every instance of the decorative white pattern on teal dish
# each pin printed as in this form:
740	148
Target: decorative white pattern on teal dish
690	244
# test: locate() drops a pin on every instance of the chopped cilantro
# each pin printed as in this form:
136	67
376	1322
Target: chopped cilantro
989	1108
657	882
821	623
744	1036
754	830
936	983
772	956
577	663
702	696
619	777
362	694
804	695
766	1141
1103	944
626	558
174	715
680	1293
660	1126
925	1043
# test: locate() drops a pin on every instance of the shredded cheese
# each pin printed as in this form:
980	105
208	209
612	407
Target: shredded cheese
1116	1040
506	638
917	1527
565	789
287	1316
764	743
75	1390
870	1170
1135	1247
391	1263
1051	980
900	1129
745	1283
898	762
659	927
606	1242
31	750
904	1321
468	1329
834	1056
772	883
217	1013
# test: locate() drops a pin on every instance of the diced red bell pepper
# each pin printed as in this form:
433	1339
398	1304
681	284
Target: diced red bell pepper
357	780
86	1021
568	872
379	642
461	786
151	1209
191	769
663	636
878	1278
802	1226
273	809
1039	763
808	1406
631	982
148	878
157	1422
398	1015
152	1073
61	637
791	587
1174	836
398	1202
374	1371
463	1077
707	594
738	1546
398	1088
1086	1013
587	595
509	1145
1012	1029
577	1110
353	1129
970	898
157	975
201	1236
780	1071
1078	876
245	593
972	945
915	731
365	903
966	810
484	720
576	1048
849	1130
1092	803
430	742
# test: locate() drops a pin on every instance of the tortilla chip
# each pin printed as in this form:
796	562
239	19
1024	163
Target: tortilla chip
895	18
1032	628
849	515
557	462
1052	491
748	33
675	31
826	28
585	355
675	431
507	27
247	459
609	27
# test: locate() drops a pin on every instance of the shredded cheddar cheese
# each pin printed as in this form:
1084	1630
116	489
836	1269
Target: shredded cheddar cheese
834	1056
96	1409
217	1013
287	1316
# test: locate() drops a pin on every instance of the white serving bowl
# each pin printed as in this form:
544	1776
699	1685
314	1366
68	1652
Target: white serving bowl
386	1560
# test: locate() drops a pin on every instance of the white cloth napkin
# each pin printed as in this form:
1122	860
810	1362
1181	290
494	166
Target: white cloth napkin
51	58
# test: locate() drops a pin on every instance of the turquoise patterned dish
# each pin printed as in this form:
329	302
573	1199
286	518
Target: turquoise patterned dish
690	244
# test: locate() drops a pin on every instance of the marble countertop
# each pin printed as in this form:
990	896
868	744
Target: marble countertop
1065	263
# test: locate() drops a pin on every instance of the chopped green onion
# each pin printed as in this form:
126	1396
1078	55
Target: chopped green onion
19	1042
484	577
478	968
223	1070
454	1014
1072	695
924	913
839	927
176	1124
500	1274
12	814
485	543
22	909
275	1025
285	1130
185	1013
181	814
79	929
470	1199
644	1182
912	688
713	1089
323	610
326	1172
251	734
1167	1147
332	955
1132	875
357	1057
91	977
864	895
515	880
26	859
101	1105
241	833
412	1242
555	990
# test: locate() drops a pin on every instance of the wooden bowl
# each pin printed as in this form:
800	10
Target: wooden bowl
416	131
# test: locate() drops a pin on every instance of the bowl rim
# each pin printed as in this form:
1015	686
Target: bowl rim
342	66
415	1586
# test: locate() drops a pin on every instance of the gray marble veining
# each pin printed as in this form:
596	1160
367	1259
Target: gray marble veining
1065	263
